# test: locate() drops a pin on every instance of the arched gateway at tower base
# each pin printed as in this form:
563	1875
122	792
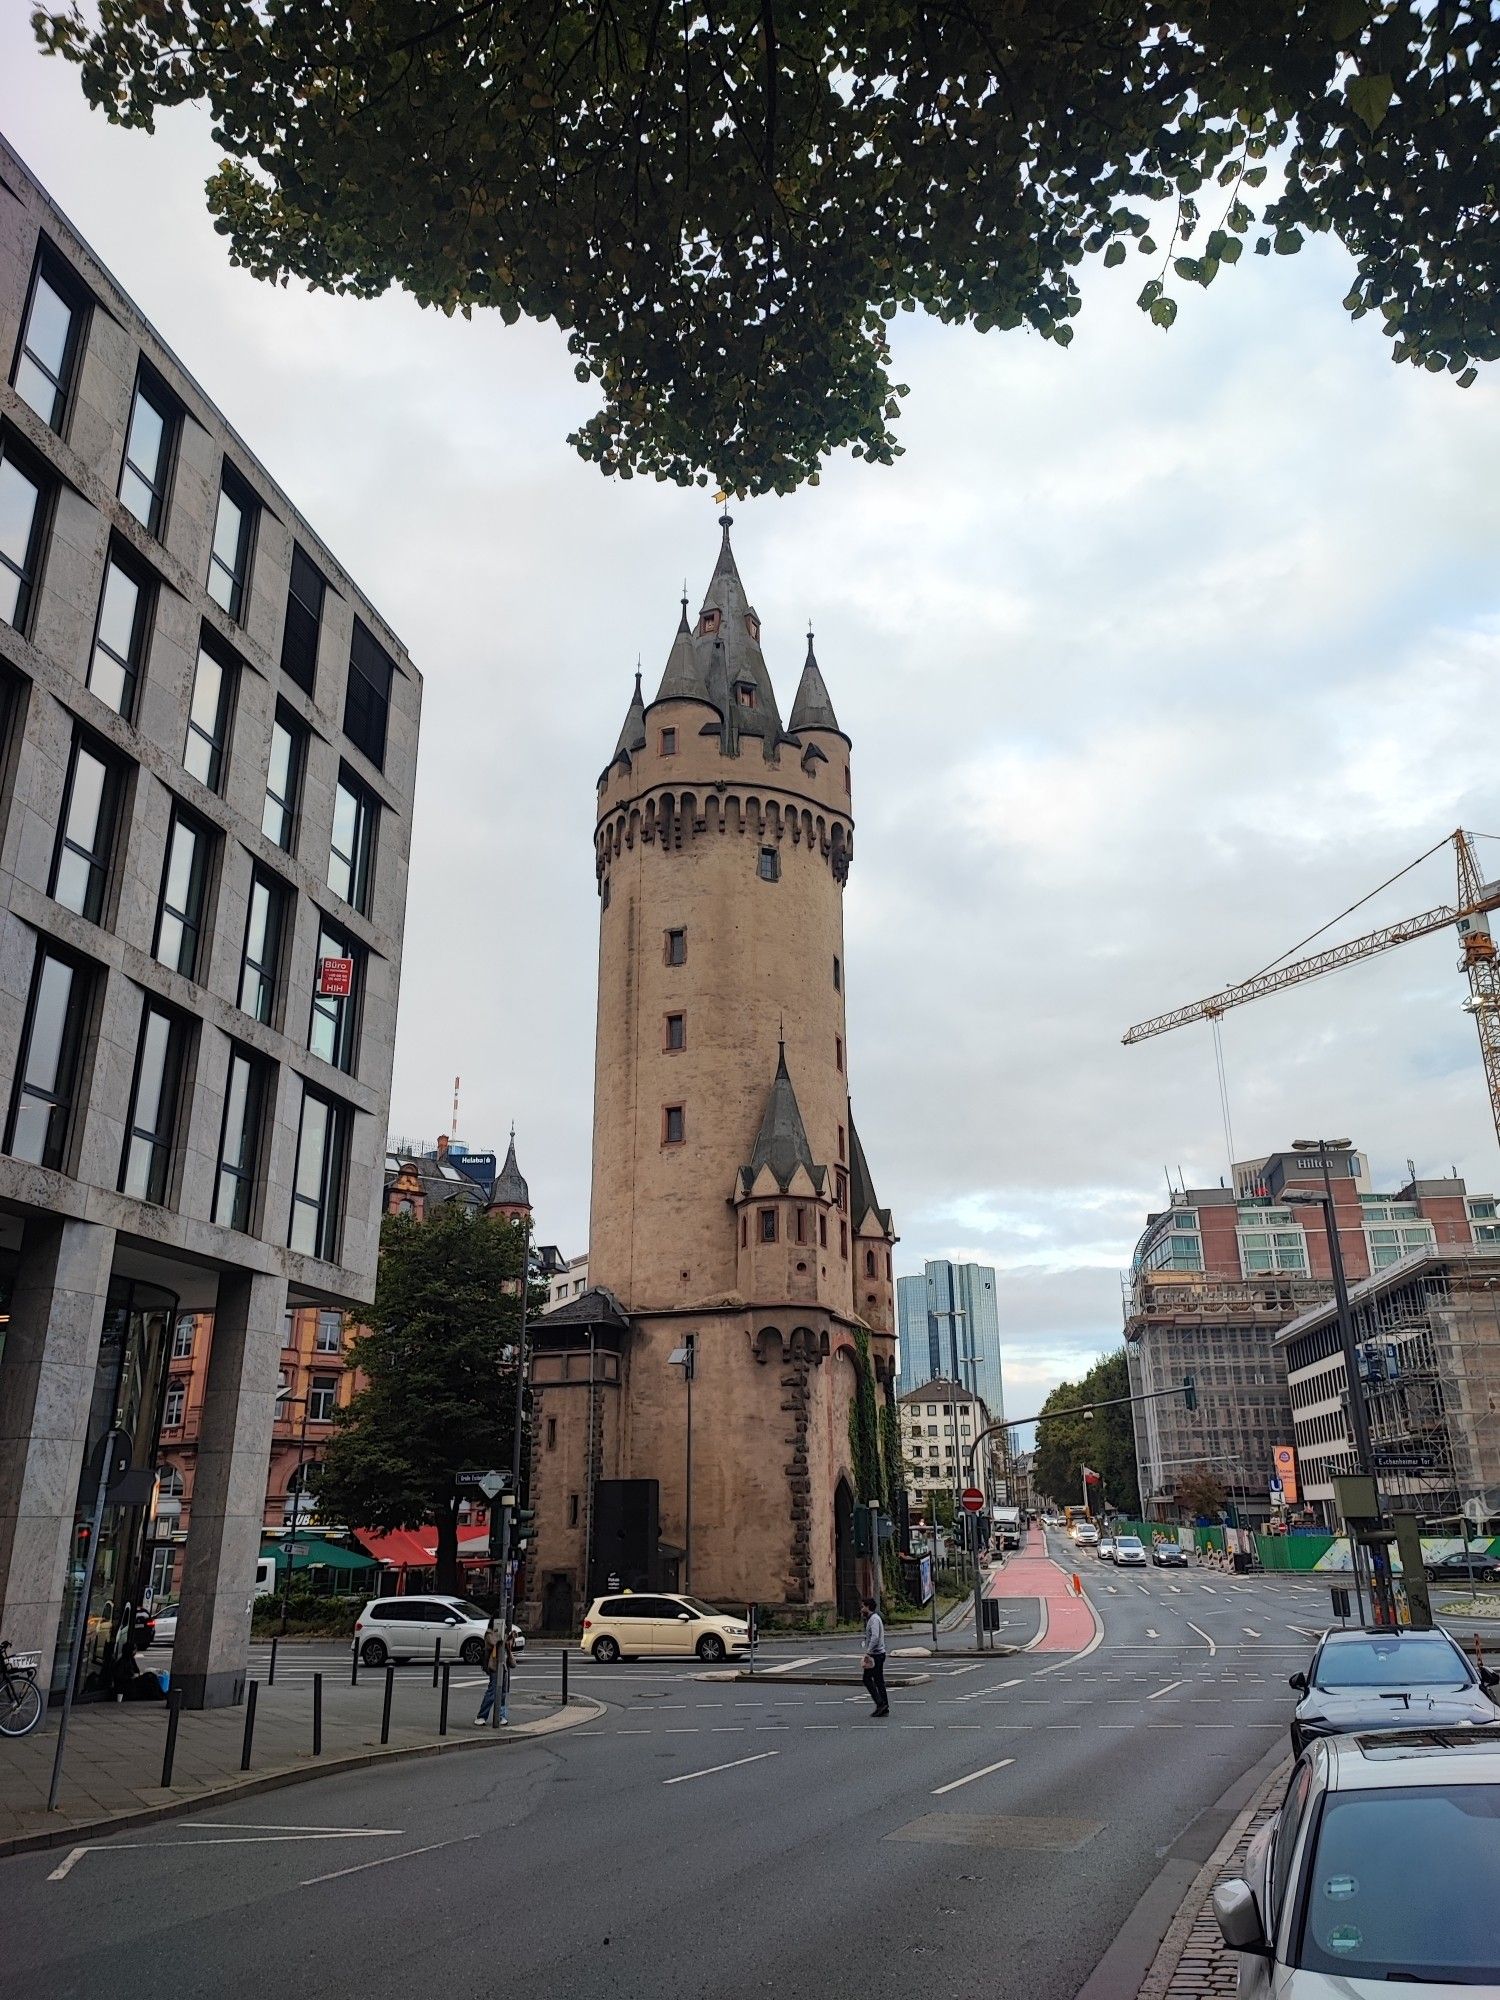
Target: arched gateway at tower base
740	1264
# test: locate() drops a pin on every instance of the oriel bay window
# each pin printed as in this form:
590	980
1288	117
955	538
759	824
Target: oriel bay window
265	931
22	514
120	636
333	1032
351	851
148	452
184	894
48	1072
317	1186
48	358
246	1093
86	837
155	1098
208	718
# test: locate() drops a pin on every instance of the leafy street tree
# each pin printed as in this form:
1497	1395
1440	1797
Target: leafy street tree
438	1358
1201	1493
1104	1441
725	207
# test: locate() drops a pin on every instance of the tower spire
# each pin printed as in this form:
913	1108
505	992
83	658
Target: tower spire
812	709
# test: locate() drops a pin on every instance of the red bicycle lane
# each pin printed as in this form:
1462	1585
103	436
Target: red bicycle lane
1067	1620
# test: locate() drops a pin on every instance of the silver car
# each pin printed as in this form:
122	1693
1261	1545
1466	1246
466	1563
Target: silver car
1382	1866
1130	1552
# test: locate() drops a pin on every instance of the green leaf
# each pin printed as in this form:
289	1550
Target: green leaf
1468	378
1370	97
1115	254
1164	312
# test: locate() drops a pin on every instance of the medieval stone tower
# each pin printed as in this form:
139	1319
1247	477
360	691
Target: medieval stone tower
734	1234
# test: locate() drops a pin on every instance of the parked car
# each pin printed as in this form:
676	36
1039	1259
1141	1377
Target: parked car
1104	1548
166	1624
623	1628
1363	1680
1169	1555
411	1628
1382	1866
1456	1568
1130	1552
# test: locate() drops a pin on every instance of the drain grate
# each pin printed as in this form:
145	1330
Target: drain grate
1046	1836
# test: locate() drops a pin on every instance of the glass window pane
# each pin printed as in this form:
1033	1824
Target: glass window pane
48	326
228	527
122	595
312	1148
183	853
20	501
54	990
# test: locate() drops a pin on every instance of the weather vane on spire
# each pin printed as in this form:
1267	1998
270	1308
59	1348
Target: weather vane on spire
721	499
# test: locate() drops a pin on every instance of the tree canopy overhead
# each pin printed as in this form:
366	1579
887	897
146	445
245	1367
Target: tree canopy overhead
725	206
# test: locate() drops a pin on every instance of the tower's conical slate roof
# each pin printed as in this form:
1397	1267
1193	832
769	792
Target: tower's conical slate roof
510	1189
633	733
781	1143
812	709
861	1187
685	676
735	653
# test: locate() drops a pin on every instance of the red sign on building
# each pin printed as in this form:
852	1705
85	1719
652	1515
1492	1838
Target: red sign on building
335	978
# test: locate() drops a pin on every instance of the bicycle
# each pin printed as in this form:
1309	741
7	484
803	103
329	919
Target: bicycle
20	1697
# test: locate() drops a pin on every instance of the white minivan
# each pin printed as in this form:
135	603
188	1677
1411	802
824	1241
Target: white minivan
413	1628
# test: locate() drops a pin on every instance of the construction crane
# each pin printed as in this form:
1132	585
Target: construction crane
1470	918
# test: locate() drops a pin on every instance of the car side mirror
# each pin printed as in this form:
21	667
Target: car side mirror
1488	1677
451	1619
1298	1681
683	1618
1238	1917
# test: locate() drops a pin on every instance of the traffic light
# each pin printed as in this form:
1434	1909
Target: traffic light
523	1527
1190	1391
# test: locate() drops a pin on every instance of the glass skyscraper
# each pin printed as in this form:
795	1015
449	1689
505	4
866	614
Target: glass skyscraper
951	1314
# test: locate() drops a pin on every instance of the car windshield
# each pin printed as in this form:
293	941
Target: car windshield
1418	1659
1128	1542
1404	1884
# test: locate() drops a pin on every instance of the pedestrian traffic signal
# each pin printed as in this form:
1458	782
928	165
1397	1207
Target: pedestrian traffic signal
1190	1391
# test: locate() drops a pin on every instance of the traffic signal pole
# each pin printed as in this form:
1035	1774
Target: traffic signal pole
507	1514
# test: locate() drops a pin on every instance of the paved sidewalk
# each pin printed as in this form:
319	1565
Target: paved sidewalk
1193	1962
1067	1620
113	1768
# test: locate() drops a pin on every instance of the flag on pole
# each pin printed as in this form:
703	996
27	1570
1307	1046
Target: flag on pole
1090	1476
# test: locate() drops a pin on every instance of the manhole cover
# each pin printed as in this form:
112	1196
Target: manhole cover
1046	1836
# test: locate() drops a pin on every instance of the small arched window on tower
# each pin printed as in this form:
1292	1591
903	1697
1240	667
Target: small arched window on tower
869	1263
708	624
669	743
770	865
744	693
768	1225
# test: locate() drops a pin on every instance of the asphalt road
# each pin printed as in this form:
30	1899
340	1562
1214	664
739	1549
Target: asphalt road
993	1837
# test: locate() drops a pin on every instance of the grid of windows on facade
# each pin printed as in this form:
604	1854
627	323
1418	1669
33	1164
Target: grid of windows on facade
48	1074
23	492
304	621
246	1091
351	851
1393	1230
278	820
86	835
50	340
1177	1248
120	636
149	445
234	528
1271	1240
317	1185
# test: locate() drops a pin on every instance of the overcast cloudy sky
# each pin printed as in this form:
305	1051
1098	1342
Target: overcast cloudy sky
1156	653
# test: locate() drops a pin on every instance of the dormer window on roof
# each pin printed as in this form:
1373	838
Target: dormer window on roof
708	624
744	693
752	626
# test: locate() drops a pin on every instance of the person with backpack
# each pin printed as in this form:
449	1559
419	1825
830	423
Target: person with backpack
498	1661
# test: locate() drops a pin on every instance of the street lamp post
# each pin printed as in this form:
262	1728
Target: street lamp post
1359	1415
685	1358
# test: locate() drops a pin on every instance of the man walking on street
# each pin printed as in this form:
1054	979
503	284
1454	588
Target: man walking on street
875	1657
499	1660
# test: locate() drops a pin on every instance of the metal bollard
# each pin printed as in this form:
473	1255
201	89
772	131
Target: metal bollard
385	1712
317	1715
565	1678
174	1716
250	1694
443	1704
271	1671
437	1659
354	1666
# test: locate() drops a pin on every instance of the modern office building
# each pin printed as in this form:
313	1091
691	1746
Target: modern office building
1427	1332
948	1319
1218	1275
206	771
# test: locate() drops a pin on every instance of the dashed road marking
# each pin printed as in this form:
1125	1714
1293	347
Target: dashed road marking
1165	1690
989	1769
712	1770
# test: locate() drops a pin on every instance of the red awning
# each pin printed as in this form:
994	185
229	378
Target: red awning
416	1548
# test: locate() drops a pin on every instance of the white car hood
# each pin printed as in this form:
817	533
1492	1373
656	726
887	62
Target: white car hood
1292	1985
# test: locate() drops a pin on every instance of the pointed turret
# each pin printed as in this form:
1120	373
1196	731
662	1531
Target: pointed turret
685	677
510	1194
862	1201
812	709
729	631
633	734
781	1143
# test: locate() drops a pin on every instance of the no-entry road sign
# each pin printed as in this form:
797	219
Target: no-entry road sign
973	1500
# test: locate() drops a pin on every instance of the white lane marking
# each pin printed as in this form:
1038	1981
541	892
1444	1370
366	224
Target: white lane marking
74	1854
786	1666
1175	1588
1152	1633
1304	1631
407	1854
1209	1588
1166	1690
997	1687
972	1669
269	1826
938	1790
1212	1648
687	1777
1143	1590
1041	1630
1251	1632
234	1840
